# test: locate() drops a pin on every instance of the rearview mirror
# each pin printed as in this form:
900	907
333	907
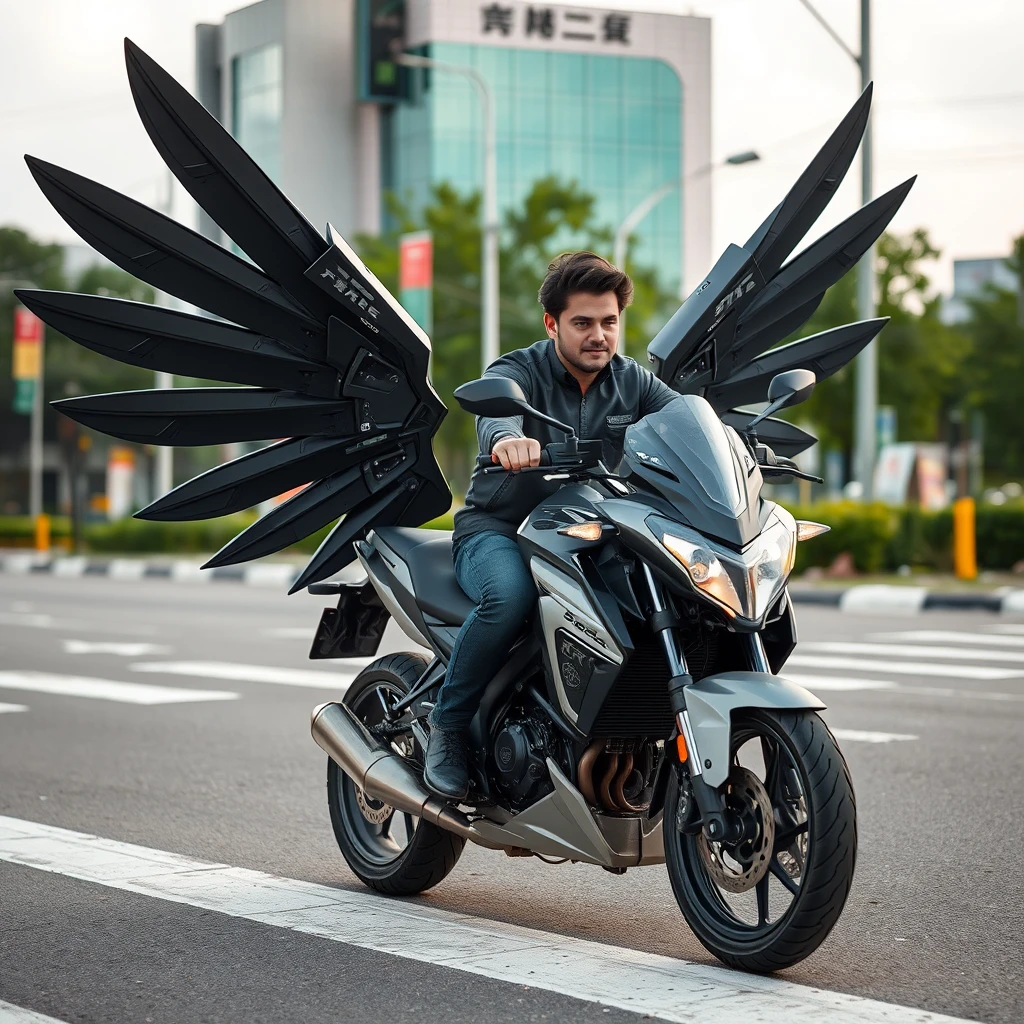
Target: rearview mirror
500	396
492	396
791	387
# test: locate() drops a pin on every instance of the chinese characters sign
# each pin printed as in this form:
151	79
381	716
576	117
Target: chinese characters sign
602	28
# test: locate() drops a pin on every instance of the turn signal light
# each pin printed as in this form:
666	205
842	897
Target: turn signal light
805	529
591	530
681	748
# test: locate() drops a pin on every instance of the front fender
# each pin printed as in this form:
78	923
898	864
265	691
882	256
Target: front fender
711	701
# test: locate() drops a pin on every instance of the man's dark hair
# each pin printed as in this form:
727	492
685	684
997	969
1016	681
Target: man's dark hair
582	272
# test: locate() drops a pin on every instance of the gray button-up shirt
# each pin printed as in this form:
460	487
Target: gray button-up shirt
622	393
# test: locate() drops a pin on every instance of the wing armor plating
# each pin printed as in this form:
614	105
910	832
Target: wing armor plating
326	357
717	344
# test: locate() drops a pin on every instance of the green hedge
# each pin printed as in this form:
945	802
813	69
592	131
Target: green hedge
879	538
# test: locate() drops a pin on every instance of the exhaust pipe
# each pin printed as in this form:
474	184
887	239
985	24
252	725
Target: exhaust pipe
380	773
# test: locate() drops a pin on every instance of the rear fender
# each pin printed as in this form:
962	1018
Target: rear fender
711	701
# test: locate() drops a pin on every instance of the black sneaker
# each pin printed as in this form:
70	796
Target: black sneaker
445	772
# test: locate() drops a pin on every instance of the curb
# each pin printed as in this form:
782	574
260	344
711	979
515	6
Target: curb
867	598
874	598
269	574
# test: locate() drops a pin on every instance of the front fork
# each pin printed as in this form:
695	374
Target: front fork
710	802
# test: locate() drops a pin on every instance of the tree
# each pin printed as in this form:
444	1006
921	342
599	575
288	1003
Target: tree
554	216
995	370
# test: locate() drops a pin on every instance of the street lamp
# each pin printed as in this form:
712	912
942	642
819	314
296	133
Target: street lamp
490	344
650	201
866	401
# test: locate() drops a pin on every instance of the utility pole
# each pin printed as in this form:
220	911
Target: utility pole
490	344
866	400
164	476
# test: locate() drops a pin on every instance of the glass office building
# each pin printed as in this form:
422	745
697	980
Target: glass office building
613	124
617	101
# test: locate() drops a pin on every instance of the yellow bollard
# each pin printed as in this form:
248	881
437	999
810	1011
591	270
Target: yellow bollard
42	532
965	563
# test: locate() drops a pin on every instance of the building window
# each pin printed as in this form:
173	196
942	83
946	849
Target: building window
256	95
611	123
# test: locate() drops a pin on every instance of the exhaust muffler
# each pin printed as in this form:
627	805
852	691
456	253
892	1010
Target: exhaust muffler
380	773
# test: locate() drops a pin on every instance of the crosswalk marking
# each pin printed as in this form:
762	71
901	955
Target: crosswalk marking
27	620
629	979
895	650
257	673
1012	630
9	709
11	1014
124	650
293	632
815	683
107	689
939	636
866	736
913	668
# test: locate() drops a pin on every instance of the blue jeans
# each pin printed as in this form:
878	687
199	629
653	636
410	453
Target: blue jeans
491	571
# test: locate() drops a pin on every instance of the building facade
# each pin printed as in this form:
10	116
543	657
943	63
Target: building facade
616	101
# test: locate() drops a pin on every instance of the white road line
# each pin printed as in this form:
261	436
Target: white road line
816	683
11	1014
27	620
644	983
911	651
1012	630
124	650
256	673
8	709
911	668
865	736
107	689
938	636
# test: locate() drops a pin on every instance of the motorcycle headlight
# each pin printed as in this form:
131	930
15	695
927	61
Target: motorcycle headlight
743	584
706	572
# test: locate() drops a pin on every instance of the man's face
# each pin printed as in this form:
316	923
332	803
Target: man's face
586	335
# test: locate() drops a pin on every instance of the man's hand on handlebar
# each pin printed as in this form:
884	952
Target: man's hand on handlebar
515	453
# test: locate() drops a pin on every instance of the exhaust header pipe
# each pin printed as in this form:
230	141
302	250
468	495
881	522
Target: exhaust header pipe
380	773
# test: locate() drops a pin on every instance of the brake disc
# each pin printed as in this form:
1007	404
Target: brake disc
374	811
740	866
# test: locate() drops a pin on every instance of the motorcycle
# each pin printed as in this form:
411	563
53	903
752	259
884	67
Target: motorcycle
640	720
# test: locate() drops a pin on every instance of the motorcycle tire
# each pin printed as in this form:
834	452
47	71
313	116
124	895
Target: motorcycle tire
375	857
825	814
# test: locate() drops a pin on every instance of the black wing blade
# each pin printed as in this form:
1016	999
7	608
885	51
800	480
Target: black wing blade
225	181
821	264
263	474
157	338
823	353
174	259
201	416
780	234
782	437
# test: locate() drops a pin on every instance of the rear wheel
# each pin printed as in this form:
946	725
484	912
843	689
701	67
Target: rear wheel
388	850
766	902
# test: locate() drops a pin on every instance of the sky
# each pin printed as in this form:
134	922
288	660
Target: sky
949	106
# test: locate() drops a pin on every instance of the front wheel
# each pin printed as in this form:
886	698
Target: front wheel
769	900
388	850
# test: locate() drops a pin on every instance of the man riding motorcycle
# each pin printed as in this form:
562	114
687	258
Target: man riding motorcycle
577	376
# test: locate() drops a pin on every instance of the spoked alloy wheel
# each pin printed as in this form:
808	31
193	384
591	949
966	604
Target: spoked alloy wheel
390	851
769	900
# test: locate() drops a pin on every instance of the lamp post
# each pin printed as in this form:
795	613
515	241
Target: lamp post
866	401
650	201
490	347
